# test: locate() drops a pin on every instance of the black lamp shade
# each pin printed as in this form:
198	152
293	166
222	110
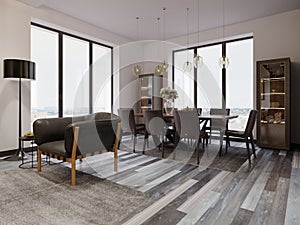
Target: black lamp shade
17	68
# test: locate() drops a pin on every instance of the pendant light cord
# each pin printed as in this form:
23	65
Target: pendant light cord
187	33
164	9
198	23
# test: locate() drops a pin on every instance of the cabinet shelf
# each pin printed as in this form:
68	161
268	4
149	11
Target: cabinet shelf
266	108
146	97
267	122
146	88
149	88
272	93
272	78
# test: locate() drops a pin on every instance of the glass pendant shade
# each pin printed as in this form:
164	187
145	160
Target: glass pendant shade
165	66
187	66
198	61
137	69
223	62
158	70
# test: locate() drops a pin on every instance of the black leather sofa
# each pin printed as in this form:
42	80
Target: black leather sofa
72	138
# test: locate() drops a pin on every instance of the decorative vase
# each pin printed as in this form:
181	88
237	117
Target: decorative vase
169	106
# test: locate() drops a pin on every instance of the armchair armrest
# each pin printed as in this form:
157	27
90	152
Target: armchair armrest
50	129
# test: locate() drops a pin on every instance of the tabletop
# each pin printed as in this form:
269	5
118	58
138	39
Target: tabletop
202	117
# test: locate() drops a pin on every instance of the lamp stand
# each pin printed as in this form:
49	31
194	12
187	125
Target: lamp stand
19	154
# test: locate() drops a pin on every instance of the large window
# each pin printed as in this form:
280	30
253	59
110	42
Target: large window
184	81
44	90
216	88
73	74
76	76
239	81
209	79
101	78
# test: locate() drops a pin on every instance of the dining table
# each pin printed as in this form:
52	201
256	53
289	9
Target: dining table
203	119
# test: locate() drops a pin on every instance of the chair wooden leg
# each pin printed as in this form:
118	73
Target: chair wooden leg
198	149
144	144
248	150
39	158
227	144
162	149
221	143
134	142
253	147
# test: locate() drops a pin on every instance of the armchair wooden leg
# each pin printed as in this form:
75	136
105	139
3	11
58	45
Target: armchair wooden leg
39	158
73	175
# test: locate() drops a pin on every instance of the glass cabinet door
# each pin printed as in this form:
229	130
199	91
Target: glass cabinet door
146	92
273	103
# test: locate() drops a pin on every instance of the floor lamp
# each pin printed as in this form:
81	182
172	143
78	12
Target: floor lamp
19	69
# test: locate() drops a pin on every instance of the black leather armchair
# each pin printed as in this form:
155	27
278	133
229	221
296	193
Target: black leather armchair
73	138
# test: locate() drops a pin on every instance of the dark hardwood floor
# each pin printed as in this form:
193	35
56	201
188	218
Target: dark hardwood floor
268	192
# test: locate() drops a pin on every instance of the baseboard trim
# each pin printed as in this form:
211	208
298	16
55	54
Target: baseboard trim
13	151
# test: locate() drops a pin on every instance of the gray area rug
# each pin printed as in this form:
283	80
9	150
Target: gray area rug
27	197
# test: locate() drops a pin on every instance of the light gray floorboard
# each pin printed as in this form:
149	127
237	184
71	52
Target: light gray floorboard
293	204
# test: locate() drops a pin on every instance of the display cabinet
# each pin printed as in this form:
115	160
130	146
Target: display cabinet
150	86
273	103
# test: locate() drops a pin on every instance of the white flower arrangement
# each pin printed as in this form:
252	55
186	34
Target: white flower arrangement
168	93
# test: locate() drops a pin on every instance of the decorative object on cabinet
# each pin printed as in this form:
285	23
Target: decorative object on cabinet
273	95
150	86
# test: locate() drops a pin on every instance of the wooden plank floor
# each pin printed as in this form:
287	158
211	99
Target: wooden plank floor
268	192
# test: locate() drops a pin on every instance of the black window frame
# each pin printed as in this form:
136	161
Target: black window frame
90	60
194	48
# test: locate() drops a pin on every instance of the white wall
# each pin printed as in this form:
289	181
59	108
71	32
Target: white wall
15	18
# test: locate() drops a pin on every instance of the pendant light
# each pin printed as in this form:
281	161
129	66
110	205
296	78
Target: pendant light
165	64
198	59
224	60
158	69
187	66
137	69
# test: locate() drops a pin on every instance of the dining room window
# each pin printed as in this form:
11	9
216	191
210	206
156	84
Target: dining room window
183	81
210	87
209	79
239	82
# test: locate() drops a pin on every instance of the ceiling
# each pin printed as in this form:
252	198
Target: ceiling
119	16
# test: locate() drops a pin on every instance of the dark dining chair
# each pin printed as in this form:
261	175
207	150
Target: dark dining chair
156	127
246	134
129	126
187	127
218	125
